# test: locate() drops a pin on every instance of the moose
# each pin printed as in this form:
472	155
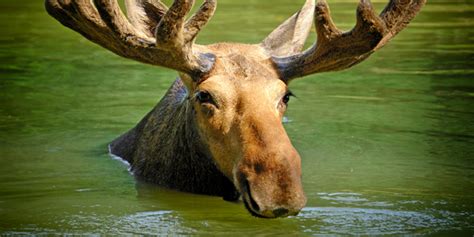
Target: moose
218	130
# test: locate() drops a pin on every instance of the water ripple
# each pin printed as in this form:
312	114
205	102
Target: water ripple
344	220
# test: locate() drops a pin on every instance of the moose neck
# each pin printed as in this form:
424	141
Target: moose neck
165	148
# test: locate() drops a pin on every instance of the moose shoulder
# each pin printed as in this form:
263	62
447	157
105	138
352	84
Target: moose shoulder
218	129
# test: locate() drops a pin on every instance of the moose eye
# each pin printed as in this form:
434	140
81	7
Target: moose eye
204	97
286	98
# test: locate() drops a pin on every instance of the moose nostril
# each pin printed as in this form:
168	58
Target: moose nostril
280	212
252	201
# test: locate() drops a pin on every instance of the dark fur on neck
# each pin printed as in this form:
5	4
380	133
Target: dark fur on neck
165	148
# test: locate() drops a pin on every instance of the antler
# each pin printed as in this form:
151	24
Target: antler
152	34
337	50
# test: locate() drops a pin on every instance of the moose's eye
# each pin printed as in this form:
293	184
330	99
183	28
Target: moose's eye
286	98
203	97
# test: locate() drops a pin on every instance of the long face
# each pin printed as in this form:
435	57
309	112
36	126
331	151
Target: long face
239	109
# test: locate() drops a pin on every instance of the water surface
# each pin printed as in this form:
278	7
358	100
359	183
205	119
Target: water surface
387	147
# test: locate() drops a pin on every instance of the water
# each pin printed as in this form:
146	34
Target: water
386	146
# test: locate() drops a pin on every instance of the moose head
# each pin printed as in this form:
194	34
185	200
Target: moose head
223	115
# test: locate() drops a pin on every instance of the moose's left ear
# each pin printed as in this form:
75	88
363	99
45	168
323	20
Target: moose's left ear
290	36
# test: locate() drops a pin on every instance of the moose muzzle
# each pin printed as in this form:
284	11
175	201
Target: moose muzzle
269	173
271	186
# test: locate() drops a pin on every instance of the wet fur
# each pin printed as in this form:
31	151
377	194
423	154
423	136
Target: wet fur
165	148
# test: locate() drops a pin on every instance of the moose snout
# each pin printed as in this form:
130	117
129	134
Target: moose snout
271	189
269	202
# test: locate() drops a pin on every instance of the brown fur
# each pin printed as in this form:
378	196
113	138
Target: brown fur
213	146
233	141
165	145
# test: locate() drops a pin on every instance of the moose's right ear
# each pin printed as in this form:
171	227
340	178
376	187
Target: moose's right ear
145	15
289	38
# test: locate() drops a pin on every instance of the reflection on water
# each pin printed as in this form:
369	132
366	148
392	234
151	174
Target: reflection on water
386	147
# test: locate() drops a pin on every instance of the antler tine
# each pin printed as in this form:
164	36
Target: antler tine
54	8
200	19
82	17
169	32
396	19
325	27
103	22
337	50
114	18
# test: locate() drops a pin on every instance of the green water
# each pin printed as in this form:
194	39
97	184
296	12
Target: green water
387	147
